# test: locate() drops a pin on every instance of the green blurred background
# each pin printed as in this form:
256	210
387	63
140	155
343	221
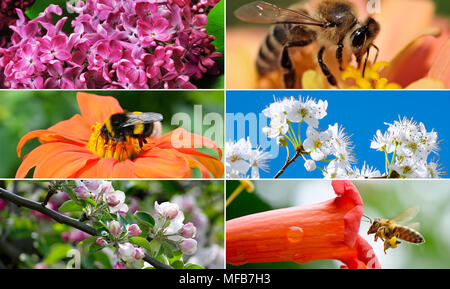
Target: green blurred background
381	198
24	111
442	8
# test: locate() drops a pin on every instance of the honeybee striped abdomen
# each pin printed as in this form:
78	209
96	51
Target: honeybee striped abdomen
270	52
409	235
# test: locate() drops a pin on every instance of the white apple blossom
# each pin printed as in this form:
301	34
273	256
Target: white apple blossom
240	158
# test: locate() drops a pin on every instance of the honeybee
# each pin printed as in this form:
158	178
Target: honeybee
390	231
334	26
139	125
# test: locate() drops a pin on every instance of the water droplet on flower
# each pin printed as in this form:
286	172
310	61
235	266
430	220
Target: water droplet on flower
295	234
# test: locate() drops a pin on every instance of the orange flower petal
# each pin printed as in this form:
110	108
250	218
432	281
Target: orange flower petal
74	129
440	69
427	83
212	165
96	108
124	170
34	134
46	158
394	34
161	163
186	142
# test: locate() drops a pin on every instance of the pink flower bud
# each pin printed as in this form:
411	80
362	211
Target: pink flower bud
167	209
65	236
119	265
101	242
93	185
127	252
40	266
113	200
82	192
188	230
134	230
2	205
114	228
140	253
188	246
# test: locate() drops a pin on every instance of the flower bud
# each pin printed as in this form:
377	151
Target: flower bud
114	228
3	205
101	242
167	209
93	185
188	246
40	266
188	230
82	192
281	141
127	252
112	200
119	265
134	230
310	165
140	253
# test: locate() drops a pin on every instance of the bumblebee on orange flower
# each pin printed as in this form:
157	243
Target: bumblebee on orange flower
104	141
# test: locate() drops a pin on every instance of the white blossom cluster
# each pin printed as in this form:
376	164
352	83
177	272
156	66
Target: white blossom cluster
410	145
241	157
319	145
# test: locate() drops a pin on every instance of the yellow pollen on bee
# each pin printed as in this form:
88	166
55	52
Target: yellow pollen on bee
121	151
371	79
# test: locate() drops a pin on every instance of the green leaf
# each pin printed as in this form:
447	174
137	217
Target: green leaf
70	206
89	201
145	218
95	248
103	259
178	264
196	173
57	253
192	266
208	151
142	242
216	25
155	245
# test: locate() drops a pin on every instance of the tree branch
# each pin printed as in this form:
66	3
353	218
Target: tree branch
289	161
60	218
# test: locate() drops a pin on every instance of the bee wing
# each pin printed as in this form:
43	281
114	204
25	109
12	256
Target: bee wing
261	12
406	215
140	118
414	226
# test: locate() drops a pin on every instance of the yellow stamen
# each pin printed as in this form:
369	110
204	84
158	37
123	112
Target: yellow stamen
371	77
121	151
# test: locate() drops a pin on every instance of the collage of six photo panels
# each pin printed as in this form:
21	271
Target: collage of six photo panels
213	134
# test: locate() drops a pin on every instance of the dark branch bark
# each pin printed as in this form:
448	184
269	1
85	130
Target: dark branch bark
60	218
288	163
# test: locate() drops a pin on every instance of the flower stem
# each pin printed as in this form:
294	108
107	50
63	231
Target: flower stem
236	193
288	162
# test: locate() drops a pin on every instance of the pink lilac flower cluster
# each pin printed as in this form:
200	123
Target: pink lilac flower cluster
8	16
114	44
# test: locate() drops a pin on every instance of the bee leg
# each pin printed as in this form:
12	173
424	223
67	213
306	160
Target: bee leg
289	73
326	71
376	55
365	62
339	51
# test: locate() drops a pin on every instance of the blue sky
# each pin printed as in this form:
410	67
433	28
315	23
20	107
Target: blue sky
360	112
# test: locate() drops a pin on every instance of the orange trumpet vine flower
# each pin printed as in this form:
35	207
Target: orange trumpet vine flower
74	148
326	230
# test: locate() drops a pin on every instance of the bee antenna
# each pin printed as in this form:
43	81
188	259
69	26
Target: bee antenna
368	218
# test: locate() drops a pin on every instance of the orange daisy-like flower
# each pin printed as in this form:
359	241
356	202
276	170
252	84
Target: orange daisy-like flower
74	148
326	230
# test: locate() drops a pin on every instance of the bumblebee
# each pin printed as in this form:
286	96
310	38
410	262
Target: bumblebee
334	26
390	231
138	125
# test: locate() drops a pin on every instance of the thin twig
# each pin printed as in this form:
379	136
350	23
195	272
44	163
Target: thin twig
60	218
289	161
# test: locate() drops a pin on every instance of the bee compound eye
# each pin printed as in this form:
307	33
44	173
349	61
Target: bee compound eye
358	37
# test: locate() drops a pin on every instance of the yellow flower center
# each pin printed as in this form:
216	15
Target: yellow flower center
121	151
371	77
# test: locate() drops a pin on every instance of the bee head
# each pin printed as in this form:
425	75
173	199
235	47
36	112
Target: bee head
374	226
362	37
